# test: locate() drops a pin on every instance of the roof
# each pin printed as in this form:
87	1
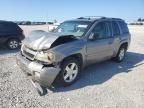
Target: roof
93	18
6	21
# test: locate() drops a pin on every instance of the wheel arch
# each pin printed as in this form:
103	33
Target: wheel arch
10	38
119	46
77	56
125	44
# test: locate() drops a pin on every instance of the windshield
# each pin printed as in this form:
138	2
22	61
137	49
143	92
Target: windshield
75	28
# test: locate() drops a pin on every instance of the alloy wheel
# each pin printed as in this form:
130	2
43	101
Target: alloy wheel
70	72
13	44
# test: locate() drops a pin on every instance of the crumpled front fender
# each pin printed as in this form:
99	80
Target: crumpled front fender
44	75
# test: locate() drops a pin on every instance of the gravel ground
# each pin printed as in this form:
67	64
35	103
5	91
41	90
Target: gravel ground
104	85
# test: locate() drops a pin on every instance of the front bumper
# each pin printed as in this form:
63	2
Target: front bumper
44	75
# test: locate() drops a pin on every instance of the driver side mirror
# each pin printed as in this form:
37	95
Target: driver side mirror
93	36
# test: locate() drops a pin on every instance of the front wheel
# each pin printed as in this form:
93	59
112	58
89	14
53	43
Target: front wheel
70	70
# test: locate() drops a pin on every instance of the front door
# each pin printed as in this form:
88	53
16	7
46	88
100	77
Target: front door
101	47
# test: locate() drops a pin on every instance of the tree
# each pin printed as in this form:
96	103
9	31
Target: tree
55	21
139	20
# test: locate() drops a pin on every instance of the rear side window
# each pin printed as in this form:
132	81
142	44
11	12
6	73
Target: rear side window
123	27
1	25
115	28
109	28
10	27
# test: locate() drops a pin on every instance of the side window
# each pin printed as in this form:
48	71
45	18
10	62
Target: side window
11	27
123	27
115	28
101	30
109	29
1	25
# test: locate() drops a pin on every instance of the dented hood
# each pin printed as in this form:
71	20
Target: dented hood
39	40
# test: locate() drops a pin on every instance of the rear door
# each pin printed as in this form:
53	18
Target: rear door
117	36
102	47
125	35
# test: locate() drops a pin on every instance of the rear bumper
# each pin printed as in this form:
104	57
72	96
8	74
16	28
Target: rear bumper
38	72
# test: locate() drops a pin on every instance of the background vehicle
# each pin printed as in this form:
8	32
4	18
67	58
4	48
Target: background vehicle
60	56
10	34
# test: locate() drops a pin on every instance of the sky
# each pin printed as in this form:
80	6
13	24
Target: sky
49	10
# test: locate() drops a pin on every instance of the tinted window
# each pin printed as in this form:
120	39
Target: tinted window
109	29
1	25
124	27
102	30
115	27
10	27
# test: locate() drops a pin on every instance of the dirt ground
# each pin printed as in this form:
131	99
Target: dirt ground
104	85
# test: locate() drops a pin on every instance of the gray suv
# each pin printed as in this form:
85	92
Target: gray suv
60	55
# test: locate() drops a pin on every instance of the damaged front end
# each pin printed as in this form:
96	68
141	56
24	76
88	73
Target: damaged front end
41	40
43	74
37	58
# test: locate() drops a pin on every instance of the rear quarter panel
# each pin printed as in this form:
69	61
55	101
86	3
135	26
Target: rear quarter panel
124	38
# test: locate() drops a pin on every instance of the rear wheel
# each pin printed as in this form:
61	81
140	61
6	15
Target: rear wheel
13	44
70	70
121	54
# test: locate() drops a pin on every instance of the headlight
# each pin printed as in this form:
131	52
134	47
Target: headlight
51	56
45	57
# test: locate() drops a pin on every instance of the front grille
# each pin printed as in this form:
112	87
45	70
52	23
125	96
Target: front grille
28	53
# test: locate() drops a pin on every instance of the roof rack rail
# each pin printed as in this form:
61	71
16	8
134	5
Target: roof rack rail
95	17
117	18
91	17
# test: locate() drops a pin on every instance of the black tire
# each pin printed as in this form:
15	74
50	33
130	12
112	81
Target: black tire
13	44
120	58
60	78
